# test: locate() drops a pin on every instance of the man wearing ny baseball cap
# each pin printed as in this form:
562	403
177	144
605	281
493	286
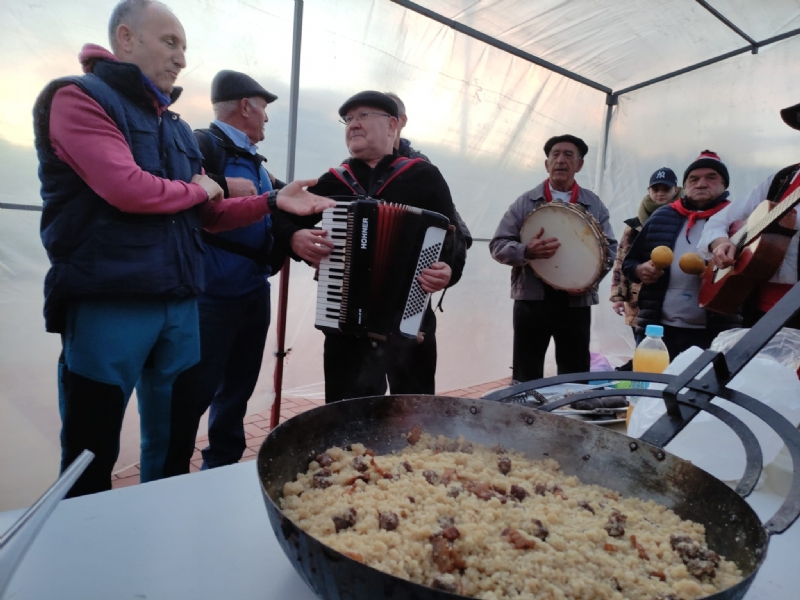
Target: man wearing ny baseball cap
662	189
716	245
668	296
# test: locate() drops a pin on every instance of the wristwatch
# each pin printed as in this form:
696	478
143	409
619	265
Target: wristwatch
272	201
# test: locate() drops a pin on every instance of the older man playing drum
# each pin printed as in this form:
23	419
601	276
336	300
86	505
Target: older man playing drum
556	266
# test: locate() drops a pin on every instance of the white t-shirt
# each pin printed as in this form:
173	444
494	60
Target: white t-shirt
559	195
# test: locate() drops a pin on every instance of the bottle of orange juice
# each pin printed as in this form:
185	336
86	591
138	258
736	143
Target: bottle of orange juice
651	356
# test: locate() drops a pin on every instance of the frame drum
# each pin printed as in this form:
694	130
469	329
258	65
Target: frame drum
582	260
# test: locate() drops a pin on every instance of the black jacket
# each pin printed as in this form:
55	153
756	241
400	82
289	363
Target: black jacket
408	151
421	186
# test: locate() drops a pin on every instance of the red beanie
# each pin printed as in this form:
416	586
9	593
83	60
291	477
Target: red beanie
708	160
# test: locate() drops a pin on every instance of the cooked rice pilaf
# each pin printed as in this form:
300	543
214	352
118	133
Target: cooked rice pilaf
493	524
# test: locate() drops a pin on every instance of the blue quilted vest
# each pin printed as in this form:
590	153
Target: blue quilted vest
227	274
96	250
662	229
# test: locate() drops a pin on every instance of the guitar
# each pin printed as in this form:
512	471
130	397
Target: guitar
761	246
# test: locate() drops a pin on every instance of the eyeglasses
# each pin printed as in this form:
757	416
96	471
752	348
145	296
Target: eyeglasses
362	116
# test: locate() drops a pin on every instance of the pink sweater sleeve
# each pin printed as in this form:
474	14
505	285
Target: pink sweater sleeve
233	212
88	140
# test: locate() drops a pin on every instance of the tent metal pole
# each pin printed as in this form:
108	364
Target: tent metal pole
699	65
710	61
611	102
283	294
724	19
487	39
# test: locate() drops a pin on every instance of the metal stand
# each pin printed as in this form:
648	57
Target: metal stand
15	542
693	390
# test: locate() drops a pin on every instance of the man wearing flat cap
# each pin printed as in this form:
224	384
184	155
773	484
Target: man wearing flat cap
540	311
235	304
716	245
358	366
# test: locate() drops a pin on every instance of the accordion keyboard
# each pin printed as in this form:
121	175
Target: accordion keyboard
331	269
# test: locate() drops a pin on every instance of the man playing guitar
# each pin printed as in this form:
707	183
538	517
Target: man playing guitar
716	244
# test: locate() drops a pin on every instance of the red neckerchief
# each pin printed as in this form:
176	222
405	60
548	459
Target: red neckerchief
693	215
549	196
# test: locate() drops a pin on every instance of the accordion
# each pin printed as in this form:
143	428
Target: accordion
368	285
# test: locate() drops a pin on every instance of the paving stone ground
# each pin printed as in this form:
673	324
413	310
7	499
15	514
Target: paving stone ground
256	428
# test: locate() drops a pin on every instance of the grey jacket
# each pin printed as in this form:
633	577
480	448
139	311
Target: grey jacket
508	250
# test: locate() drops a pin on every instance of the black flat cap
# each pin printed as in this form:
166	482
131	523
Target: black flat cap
791	116
232	85
583	149
370	98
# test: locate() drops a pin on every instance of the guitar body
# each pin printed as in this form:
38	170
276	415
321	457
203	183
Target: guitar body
725	290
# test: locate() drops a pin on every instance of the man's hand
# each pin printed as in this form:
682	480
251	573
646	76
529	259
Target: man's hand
215	193
723	253
294	198
648	273
435	278
311	245
619	307
541	248
240	187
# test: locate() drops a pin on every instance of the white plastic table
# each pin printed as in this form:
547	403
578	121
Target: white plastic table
206	536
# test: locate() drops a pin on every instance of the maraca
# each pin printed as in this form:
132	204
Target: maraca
692	264
662	257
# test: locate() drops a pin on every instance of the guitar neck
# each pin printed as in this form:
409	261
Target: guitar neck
748	234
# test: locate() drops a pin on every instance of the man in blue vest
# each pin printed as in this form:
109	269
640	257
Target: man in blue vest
235	304
668	296
124	202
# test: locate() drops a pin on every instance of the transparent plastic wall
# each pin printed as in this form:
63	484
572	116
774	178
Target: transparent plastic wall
40	42
480	115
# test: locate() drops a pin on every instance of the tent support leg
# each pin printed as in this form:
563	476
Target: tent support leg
611	101
283	295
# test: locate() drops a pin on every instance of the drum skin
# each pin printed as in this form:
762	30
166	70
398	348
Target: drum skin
582	260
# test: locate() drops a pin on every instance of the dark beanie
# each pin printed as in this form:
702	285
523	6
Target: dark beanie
708	160
369	98
583	149
232	85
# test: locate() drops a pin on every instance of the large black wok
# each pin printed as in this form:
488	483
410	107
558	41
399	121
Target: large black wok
592	453
637	468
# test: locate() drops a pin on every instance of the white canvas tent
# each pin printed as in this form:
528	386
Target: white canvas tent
647	84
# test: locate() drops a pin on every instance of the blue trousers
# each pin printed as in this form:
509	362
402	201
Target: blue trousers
110	346
233	332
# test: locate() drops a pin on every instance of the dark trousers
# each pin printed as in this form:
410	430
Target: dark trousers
108	347
536	321
357	367
91	415
233	332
